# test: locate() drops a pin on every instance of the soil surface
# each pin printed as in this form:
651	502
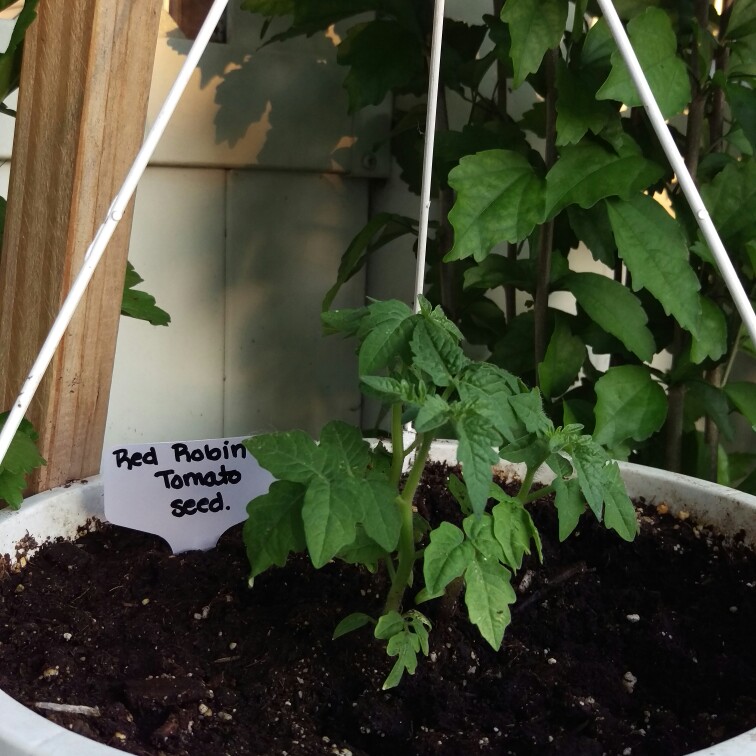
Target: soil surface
614	648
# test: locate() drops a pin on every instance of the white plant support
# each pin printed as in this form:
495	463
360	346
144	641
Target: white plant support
430	134
105	232
684	178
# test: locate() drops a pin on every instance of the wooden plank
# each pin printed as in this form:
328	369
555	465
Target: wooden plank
82	104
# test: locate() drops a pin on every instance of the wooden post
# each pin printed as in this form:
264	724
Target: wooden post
85	83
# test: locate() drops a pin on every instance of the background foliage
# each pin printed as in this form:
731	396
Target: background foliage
645	359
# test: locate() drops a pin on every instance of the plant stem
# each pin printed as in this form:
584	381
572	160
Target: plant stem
527	482
397	445
546	241
407	554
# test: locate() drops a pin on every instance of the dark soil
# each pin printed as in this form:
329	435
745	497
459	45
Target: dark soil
615	648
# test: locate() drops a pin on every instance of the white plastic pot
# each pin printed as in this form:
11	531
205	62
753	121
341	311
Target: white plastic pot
65	511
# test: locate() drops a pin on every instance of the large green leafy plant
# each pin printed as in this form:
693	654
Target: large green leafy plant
342	499
581	166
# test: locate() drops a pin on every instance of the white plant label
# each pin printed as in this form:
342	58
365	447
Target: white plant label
187	492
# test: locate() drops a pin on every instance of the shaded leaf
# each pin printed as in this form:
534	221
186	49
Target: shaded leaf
351	623
535	29
382	55
288	455
499	198
569	503
743	395
139	304
477	437
273	528
587	173
331	511
630	404
488	595
380	230
655	44
654	249
446	557
10	60
437	353
562	362
615	308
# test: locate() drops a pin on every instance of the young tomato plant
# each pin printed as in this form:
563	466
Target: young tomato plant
342	499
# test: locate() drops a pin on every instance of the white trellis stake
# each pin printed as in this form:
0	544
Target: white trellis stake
105	232
684	178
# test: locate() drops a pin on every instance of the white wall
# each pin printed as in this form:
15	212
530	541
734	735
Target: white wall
255	190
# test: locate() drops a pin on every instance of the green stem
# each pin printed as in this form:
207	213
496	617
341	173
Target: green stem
527	482
397	445
407	554
535	495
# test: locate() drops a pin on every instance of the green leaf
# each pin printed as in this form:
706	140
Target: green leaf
390	390
139	304
289	455
530	449
499	198
437	353
578	110
569	503
652	245
535	29
331	511
528	406
488	595
459	491
350	623
346	321
587	173
479	530
705	399
446	557
344	442
404	646
407	636
593	229
381	519
382	55
710	339
388	328
490	387
10	60
630	404
731	201
363	550
477	437
562	362
434	413
589	461
274	526
742	21
615	308
743	395
380	230
619	512
598	46
655	44
388	625
742	102
514	530
21	458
